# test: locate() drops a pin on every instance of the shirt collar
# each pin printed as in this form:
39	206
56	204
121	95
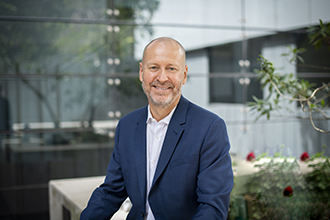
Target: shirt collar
165	120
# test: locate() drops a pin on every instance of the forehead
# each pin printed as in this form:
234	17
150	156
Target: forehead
164	50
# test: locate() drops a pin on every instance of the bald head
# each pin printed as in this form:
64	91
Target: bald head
162	73
166	41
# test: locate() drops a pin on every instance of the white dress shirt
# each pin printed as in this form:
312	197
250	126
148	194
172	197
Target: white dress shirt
156	132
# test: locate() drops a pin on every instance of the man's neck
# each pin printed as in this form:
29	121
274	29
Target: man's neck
161	113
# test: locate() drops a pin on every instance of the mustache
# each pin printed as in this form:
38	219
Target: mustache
157	83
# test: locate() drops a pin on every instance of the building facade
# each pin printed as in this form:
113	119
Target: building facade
69	72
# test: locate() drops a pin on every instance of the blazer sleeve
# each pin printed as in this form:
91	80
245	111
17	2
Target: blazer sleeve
107	198
215	178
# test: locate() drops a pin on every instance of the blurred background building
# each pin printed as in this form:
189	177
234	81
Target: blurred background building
69	72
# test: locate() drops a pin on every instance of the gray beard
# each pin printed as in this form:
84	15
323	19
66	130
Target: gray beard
159	104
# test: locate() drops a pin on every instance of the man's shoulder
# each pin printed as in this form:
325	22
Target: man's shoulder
135	116
202	112
189	112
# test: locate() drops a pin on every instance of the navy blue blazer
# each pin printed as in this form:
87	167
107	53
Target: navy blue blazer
193	178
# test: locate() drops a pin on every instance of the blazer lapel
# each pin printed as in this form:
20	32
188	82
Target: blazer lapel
140	152
173	134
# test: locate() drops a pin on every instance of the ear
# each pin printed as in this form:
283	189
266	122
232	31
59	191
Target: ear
141	72
185	72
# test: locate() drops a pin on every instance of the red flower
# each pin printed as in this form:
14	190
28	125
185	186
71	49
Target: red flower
288	192
250	156
304	156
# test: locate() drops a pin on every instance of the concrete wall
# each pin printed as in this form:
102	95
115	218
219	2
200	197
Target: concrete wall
214	22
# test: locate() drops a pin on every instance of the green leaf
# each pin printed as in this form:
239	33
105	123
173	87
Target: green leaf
323	103
255	98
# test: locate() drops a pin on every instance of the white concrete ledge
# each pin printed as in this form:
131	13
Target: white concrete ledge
74	194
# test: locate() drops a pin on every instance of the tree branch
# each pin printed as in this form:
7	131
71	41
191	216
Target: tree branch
292	99
312	122
306	100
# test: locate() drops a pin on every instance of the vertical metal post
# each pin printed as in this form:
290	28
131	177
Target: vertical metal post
40	110
243	67
18	102
58	101
112	52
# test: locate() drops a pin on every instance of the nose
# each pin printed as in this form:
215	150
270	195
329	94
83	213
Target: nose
162	76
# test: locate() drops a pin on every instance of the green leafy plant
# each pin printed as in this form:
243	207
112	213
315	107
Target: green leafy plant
318	180
319	35
289	87
280	191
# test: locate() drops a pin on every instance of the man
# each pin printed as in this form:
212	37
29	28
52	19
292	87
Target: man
171	158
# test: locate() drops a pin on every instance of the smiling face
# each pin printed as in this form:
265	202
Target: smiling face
163	72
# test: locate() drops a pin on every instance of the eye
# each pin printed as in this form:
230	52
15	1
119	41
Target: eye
172	69
153	68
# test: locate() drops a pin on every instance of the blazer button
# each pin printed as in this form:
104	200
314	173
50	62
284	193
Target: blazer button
142	214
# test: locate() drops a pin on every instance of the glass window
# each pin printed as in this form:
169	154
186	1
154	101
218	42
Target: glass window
69	72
